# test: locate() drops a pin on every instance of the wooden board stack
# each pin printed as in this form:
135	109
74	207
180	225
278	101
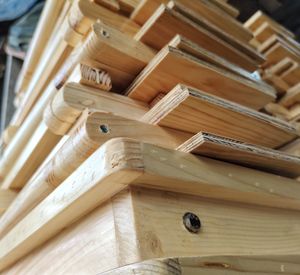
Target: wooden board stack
139	140
281	69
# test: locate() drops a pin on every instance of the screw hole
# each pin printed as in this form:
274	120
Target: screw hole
105	33
104	129
191	222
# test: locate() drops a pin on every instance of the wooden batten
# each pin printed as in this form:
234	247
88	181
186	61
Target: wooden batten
112	51
230	150
165	23
224	6
24	133
166	70
275	49
291	97
191	110
193	49
130	256
265	31
259	18
95	12
277	82
282	66
120	163
292	75
68	104
197	14
6	199
145	9
45	26
113	5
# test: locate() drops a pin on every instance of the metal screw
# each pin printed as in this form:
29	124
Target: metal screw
104	128
191	222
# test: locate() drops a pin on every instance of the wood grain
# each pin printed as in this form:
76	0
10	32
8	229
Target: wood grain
165	23
291	97
232	237
257	157
111	50
259	18
123	162
6	198
191	110
166	70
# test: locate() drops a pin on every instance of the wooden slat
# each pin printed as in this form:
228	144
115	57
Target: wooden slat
111	50
282	66
292	148
102	218
15	147
165	23
37	148
110	4
122	162
280	85
45	27
265	31
229	9
230	150
211	11
191	110
6	198
277	50
259	18
166	70
187	46
291	97
145	9
116	20
69	103
229	36
292	76
216	265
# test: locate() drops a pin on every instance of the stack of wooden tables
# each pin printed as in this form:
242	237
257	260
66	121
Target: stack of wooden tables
140	147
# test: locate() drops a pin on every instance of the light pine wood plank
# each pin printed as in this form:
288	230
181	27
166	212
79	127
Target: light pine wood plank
68	104
145	9
124	162
45	26
108	223
264	32
191	110
276	48
257	157
291	97
292	76
165	23
6	198
19	141
282	66
229	9
187	46
166	70
110	4
259	18
112	51
204	16
37	148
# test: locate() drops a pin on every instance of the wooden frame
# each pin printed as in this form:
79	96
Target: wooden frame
126	162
